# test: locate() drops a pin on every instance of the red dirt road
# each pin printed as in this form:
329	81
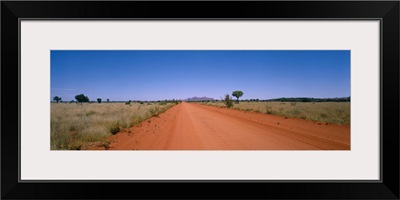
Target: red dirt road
190	126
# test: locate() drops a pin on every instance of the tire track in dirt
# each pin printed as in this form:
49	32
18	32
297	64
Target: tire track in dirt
190	126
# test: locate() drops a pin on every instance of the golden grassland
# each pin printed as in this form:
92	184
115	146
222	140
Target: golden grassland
77	126
329	112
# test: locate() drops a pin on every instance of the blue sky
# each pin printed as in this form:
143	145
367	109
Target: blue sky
167	74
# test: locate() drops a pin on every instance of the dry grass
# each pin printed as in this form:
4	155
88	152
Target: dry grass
74	126
329	112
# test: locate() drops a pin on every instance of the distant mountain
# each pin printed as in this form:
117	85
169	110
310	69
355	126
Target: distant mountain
199	99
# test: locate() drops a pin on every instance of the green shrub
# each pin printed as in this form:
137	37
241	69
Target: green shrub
270	112
114	128
72	128
154	111
227	101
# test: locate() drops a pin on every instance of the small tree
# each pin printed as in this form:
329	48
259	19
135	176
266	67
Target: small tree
81	98
99	100
237	94
108	100
57	99
227	101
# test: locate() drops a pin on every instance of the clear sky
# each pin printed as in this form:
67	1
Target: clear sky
173	74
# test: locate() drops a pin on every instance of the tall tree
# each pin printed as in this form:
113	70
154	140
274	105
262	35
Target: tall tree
81	98
57	99
99	100
237	94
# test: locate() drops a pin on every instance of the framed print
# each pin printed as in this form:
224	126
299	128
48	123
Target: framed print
283	95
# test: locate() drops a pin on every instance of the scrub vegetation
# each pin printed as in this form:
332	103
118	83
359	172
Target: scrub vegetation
75	126
329	112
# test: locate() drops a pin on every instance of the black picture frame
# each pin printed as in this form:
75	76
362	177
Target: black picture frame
386	11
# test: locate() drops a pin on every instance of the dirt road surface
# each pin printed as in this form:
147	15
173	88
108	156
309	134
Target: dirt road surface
189	126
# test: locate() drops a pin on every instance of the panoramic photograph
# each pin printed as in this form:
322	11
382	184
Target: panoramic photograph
200	100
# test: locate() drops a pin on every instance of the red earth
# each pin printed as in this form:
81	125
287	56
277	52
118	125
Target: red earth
189	126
